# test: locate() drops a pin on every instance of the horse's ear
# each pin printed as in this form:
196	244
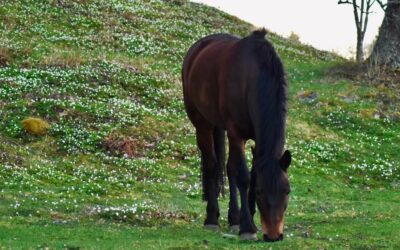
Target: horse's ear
285	160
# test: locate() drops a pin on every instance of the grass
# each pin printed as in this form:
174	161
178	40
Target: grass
110	70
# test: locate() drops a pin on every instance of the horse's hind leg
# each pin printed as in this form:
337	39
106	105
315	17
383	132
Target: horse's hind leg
233	212
204	134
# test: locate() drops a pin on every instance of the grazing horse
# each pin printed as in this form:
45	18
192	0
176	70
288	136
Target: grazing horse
239	86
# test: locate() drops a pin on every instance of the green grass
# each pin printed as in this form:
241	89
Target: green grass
99	69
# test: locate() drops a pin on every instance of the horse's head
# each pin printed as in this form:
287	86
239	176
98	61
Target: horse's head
271	194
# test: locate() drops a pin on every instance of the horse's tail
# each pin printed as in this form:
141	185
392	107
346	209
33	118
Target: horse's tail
219	146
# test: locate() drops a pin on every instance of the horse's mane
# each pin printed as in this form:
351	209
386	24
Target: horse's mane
271	96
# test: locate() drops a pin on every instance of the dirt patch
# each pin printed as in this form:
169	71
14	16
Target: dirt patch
363	74
5	57
121	146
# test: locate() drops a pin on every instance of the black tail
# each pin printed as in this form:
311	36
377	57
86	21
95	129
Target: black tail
219	146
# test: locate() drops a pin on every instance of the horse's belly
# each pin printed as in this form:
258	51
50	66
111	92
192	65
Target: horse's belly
239	125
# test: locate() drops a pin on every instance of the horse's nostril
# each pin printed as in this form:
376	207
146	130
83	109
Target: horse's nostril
268	239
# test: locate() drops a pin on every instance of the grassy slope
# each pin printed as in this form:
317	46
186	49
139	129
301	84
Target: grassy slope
113	67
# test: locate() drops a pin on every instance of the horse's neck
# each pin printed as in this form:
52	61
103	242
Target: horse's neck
270	143
269	122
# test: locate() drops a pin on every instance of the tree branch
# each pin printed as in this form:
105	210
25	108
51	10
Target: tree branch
369	5
356	17
383	6
361	15
353	2
342	2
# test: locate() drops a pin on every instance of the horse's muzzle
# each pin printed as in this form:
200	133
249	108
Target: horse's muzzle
267	239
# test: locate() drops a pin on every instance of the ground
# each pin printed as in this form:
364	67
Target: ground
118	166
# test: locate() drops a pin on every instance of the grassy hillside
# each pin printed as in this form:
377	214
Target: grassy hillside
118	166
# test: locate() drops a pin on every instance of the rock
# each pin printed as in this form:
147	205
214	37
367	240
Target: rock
35	126
348	99
182	177
307	96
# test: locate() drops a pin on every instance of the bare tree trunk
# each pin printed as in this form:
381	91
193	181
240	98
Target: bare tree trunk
386	51
360	49
361	13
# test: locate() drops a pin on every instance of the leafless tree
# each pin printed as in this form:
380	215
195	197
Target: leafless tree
361	9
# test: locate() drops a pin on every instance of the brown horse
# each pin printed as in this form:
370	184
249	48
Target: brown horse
239	85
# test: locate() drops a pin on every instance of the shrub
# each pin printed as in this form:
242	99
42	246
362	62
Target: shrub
293	37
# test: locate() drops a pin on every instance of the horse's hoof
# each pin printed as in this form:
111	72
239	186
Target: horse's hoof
211	227
248	236
234	229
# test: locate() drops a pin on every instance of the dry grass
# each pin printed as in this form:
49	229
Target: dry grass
307	131
5	57
368	113
348	70
364	73
63	59
383	75
120	145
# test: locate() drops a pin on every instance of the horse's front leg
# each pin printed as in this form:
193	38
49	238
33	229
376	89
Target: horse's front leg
237	161
252	189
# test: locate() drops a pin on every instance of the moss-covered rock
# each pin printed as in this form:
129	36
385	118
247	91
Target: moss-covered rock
35	126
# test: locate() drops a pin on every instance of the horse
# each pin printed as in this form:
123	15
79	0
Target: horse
237	86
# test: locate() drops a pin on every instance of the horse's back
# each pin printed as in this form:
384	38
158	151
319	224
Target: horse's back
200	72
198	47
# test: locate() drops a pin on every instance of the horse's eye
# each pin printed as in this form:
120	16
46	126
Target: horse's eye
258	191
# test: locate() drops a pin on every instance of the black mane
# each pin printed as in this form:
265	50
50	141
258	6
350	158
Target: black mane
271	99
